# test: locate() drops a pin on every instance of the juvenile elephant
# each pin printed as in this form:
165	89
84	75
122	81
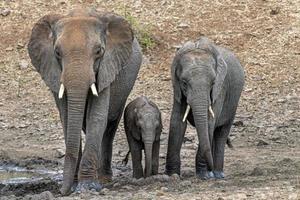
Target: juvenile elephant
90	61
207	82
143	126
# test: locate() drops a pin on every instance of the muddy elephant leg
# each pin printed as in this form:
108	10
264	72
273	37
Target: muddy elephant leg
136	156
105	171
176	134
201	167
220	138
96	123
201	164
155	157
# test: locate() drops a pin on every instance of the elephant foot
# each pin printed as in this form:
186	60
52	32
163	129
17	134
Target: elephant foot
219	174
204	174
84	186
105	178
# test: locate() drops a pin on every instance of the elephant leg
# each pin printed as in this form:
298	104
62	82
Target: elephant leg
136	156
220	138
201	167
155	157
96	123
104	170
176	134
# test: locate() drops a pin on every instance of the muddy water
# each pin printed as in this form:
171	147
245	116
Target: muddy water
15	180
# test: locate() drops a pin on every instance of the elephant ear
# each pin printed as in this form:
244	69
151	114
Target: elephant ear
41	51
188	46
221	66
119	39
221	72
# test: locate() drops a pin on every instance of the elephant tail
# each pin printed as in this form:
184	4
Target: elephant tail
125	160
228	142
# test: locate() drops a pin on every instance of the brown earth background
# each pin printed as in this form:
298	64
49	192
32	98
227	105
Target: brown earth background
265	35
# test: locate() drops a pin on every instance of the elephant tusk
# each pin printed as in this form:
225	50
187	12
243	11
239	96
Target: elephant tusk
94	90
211	112
61	91
186	113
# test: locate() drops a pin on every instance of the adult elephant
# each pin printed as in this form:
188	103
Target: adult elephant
90	61
207	82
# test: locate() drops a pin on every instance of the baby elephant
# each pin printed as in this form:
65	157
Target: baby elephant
142	121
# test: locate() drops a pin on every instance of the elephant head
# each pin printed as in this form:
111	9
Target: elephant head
148	121
198	77
78	56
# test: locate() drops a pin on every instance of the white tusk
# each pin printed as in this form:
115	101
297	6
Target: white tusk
211	112
186	113
94	90
61	91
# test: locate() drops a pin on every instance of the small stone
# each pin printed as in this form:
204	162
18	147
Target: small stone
127	187
186	183
164	189
238	123
183	25
20	45
59	153
117	185
257	171
104	191
281	100
262	143
9	49
159	193
5	12
175	177
23	64
275	11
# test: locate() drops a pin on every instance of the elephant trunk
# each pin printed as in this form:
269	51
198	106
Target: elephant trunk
199	104
76	107
148	158
77	84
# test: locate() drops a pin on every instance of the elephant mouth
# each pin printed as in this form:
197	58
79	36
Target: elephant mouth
62	90
188	108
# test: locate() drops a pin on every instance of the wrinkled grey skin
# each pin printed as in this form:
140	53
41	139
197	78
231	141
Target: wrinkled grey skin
77	50
204	74
143	126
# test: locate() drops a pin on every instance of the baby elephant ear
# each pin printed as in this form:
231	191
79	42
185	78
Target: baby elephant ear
41	51
221	72
119	40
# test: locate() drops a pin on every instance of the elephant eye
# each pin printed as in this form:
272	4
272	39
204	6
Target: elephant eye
99	51
57	53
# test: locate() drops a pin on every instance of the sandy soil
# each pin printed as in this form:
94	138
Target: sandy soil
265	34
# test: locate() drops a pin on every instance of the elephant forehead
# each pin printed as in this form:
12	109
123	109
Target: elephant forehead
77	31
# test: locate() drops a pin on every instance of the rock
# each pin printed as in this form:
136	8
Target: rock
186	183
23	64
238	123
164	189
275	11
5	12
257	171
9	49
127	187
175	177
117	185
262	143
162	178
159	193
44	195
20	45
183	25
104	191
59	153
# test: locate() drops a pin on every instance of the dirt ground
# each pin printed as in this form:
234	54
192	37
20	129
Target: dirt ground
265	34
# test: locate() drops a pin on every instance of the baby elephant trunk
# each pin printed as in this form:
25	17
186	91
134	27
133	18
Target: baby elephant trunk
148	159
